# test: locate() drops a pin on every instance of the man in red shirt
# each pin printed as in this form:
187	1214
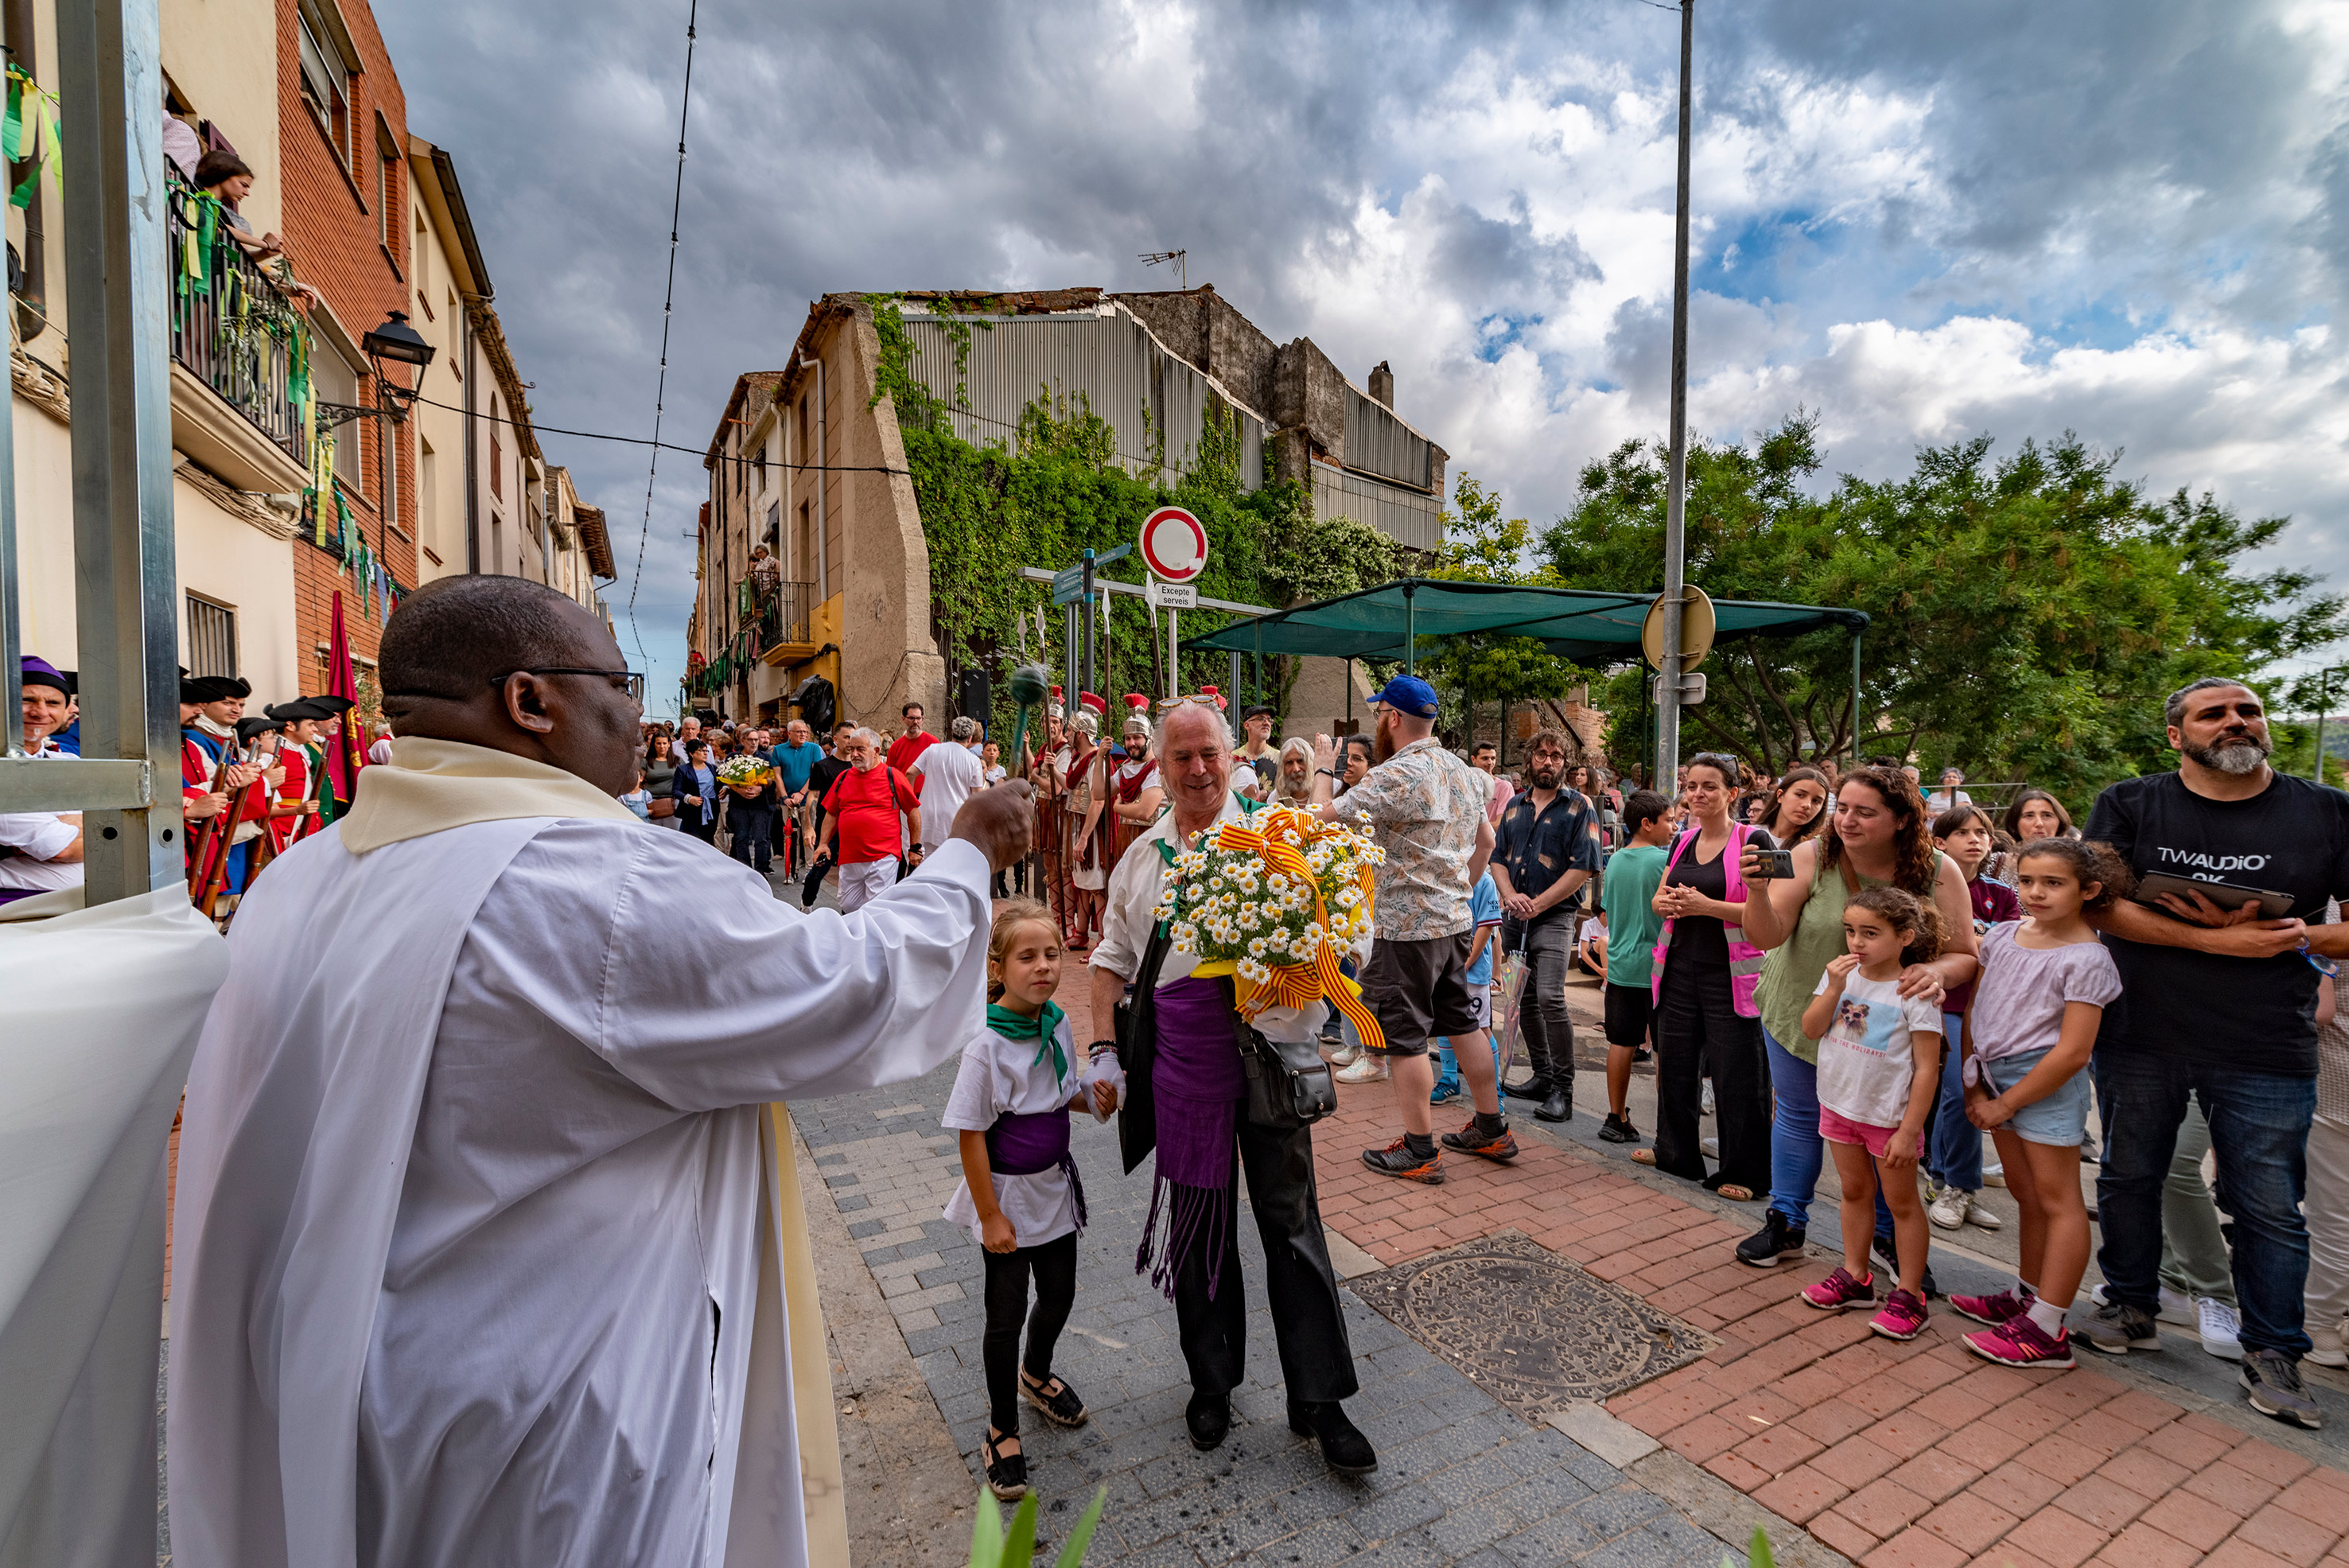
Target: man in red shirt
863	809
914	743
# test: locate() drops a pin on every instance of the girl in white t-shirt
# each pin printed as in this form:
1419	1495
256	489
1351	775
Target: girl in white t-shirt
2045	982
1019	1198
1879	1068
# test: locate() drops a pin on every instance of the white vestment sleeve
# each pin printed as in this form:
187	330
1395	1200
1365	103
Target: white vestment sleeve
706	990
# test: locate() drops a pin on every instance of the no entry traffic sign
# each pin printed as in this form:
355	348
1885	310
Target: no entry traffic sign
1173	545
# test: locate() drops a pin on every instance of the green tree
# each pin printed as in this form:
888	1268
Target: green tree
1481	546
2027	614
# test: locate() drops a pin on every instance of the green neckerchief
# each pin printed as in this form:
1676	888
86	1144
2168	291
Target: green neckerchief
1019	1026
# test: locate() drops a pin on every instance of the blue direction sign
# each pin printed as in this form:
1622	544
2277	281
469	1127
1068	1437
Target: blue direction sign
1069	585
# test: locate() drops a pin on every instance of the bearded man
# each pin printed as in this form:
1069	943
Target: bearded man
1187	1099
2217	1004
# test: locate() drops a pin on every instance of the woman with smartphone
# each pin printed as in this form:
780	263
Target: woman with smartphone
1877	836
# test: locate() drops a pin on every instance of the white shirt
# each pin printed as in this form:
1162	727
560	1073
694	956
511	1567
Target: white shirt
1133	900
557	1362
950	774
1000	1077
39	838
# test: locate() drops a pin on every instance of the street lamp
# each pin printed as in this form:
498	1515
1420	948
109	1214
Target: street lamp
398	343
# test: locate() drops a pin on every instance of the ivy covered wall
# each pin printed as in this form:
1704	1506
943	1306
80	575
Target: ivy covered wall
1055	487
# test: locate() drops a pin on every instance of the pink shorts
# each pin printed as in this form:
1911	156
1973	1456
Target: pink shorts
1836	1127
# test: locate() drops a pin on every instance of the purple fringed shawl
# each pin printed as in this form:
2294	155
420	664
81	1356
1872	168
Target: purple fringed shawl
1197	1081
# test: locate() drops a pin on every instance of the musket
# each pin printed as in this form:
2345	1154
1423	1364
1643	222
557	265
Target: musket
212	873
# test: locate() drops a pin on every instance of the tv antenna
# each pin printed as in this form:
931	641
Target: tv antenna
1181	269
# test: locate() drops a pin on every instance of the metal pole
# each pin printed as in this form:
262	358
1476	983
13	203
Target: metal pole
1232	684
1855	699
1173	654
1087	683
1668	688
1256	682
110	77
1410	627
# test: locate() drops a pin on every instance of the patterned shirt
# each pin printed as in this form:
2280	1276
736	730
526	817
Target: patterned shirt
1538	846
1426	805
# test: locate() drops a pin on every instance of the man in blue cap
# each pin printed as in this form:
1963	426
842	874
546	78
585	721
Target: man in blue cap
1427	809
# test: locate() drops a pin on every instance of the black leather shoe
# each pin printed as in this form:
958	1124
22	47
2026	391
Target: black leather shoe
1533	1088
1209	1419
1556	1106
1343	1446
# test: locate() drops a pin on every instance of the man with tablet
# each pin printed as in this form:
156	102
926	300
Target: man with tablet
2220	965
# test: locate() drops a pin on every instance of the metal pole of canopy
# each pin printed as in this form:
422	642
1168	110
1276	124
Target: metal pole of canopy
1668	685
111	77
1232	683
1855	699
1410	628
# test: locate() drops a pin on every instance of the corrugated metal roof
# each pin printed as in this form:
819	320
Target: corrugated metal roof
1379	442
1103	359
1406	516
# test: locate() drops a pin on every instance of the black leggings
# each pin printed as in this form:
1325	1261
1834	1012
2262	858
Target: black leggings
1054	1265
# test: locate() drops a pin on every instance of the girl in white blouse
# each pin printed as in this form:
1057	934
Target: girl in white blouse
1019	1198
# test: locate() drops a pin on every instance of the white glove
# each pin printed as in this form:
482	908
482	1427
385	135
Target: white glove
1104	1068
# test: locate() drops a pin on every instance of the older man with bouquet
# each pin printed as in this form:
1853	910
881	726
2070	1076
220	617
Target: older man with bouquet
751	805
1226	919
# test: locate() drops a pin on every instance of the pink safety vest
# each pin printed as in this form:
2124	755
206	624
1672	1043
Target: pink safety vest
1744	958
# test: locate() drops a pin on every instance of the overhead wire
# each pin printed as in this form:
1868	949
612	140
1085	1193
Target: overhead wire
669	307
670	445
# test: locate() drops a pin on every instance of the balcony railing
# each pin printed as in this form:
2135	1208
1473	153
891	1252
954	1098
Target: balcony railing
780	612
231	327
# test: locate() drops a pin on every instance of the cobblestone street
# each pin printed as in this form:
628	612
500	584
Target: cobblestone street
1843	1447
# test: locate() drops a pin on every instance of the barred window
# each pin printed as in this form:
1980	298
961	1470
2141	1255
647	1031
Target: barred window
212	637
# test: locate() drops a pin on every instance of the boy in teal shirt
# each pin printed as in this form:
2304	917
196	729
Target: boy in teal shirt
1633	873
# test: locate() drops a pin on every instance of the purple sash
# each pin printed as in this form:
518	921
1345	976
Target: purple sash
1031	1143
1197	1081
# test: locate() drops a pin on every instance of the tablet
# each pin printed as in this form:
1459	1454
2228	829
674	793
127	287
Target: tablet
2226	895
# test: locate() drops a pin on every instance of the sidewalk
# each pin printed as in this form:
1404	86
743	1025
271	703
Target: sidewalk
1461	1479
1843	1445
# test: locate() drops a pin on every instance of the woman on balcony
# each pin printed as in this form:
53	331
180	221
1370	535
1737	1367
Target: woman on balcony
228	179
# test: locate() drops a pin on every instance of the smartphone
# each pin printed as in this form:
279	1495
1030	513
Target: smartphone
1772	865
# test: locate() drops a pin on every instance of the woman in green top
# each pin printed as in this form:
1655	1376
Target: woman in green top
1878	837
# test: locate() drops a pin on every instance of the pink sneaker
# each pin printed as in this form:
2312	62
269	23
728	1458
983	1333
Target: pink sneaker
1839	1291
1991	1310
1903	1316
2019	1342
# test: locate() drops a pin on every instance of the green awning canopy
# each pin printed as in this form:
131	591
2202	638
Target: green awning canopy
1573	623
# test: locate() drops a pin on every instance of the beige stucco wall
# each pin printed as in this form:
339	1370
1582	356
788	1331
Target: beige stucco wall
43	458
223	558
221	55
888	656
228	559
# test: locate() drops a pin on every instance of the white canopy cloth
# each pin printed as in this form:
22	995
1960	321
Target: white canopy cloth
481	1203
103	1011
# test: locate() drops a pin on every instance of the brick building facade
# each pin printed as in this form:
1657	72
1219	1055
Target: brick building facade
343	140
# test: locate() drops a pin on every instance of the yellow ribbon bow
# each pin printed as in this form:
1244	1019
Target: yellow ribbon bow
1277	838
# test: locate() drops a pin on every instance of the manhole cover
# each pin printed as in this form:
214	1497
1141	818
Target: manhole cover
1528	1326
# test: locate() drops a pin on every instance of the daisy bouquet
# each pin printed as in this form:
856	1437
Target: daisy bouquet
744	770
1274	901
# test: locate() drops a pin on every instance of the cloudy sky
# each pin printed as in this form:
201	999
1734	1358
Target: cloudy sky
2128	218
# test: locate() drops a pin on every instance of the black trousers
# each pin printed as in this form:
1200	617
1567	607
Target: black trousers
754	837
1697	1029
689	818
1547	1026
1054	1268
1309	1325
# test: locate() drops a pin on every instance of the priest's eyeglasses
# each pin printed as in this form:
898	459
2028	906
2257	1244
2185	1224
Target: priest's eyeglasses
634	678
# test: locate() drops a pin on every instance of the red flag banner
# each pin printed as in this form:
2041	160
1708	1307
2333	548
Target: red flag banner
347	753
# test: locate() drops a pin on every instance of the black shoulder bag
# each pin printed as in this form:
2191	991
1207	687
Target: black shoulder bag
1289	1084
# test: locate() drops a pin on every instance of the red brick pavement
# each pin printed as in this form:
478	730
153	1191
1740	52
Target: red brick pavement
1892	1454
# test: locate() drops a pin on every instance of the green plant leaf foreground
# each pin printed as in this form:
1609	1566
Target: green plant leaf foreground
1019	1546
987	1532
1073	1552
